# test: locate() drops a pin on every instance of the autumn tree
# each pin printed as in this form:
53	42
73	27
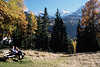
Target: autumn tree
86	29
6	20
14	23
19	21
12	16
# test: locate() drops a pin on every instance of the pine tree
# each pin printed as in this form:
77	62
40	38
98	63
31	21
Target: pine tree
38	33
42	32
17	37
59	35
31	27
45	21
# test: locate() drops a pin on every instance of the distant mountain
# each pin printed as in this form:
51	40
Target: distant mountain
71	22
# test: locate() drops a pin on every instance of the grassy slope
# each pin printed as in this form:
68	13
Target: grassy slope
45	59
35	63
37	59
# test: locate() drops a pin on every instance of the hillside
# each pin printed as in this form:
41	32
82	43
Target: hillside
71	22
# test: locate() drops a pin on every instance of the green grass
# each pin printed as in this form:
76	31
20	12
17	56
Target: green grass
24	63
35	63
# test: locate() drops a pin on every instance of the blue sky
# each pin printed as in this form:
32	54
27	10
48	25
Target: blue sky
66	6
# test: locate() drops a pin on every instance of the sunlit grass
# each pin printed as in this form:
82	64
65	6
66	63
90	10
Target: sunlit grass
35	63
24	63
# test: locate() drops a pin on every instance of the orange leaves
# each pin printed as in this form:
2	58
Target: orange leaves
91	9
12	13
8	17
32	22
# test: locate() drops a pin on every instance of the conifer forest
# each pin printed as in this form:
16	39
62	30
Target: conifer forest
45	28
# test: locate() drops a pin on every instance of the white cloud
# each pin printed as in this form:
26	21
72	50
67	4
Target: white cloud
65	11
41	12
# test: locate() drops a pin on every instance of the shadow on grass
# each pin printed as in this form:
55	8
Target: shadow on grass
2	59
